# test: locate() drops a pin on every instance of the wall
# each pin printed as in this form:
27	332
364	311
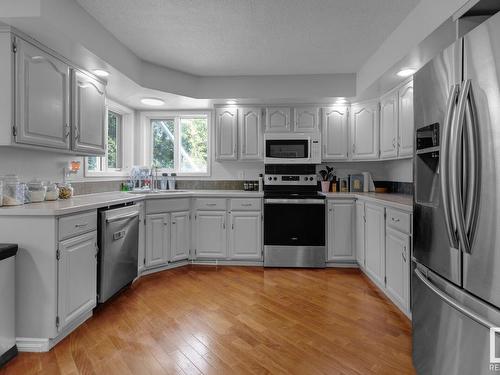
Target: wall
390	170
29	164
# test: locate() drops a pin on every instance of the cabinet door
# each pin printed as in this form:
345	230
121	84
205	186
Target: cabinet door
375	242
245	236
250	130
397	271
180	227
226	132
42	98
157	240
335	134
89	115
277	119
306	119
406	127
340	231
211	234
77	277
365	131
389	126
360	233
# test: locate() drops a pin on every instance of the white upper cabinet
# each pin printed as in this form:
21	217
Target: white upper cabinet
335	122
89	115
340	231
306	119
180	234
245	236
277	119
226	130
360	233
42	98
389	126
375	242
406	126
365	131
250	130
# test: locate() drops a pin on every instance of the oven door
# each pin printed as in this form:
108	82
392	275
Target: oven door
294	233
288	151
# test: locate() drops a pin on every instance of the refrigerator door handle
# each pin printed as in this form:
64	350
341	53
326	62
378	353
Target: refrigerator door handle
473	169
444	162
456	171
452	302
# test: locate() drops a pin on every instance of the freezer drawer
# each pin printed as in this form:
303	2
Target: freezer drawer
450	328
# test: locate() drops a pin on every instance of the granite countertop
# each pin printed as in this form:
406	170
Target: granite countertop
399	201
93	201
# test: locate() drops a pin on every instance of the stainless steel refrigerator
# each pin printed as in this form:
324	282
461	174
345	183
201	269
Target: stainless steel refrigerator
456	280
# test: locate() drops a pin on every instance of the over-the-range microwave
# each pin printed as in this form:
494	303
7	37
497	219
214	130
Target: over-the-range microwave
292	148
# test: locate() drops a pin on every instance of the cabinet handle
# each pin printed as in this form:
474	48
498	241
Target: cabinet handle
246	204
395	220
223	225
354	148
68	130
393	142
404	253
83	225
211	204
173	222
77	133
232	226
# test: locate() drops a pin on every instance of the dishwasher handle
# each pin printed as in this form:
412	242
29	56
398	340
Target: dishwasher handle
122	217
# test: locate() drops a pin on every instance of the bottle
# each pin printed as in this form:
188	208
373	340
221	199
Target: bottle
261	182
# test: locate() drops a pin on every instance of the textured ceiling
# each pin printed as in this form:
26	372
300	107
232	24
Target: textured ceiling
252	37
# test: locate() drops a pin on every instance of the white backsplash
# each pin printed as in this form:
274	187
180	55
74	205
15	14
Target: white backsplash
389	170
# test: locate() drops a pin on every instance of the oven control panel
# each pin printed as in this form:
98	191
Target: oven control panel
282	179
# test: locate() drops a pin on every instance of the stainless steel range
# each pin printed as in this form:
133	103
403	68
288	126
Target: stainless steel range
294	217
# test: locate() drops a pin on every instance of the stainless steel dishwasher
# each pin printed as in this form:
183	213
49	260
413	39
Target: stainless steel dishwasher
118	249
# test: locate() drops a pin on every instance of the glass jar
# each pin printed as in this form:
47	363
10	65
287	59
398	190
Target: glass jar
37	191
52	193
14	191
65	191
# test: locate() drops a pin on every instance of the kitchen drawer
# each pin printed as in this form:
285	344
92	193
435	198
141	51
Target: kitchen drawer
159	206
245	204
399	220
74	225
210	203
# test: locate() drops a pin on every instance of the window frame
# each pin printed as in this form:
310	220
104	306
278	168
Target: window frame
147	117
125	147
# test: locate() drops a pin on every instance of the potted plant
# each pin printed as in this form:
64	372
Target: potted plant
326	175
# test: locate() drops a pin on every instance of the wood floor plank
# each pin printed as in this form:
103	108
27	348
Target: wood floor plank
236	320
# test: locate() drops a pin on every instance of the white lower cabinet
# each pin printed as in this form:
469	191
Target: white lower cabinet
340	231
245	235
360	233
210	234
398	267
157	239
180	224
375	242
77	278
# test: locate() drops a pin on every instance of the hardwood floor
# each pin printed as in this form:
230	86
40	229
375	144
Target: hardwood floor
236	320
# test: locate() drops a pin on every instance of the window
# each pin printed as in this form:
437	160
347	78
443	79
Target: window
180	143
113	162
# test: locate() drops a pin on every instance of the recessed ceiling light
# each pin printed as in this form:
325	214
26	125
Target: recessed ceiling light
101	72
340	101
406	72
231	102
152	101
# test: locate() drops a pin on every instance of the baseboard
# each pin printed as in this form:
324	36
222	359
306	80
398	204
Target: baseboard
208	262
38	345
169	266
8	355
341	265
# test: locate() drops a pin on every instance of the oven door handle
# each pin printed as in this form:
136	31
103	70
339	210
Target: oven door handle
293	201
